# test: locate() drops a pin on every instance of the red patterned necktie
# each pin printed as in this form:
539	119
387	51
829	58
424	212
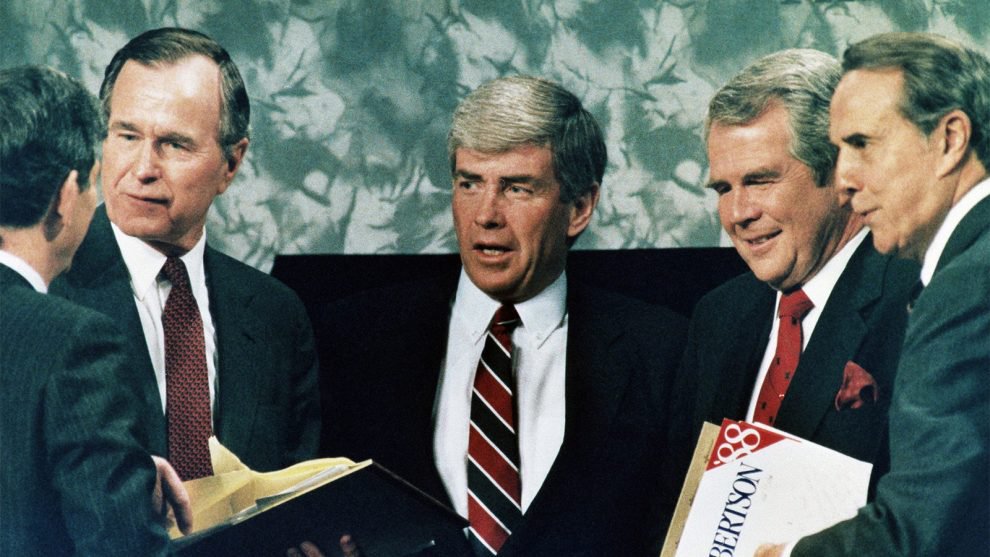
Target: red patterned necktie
494	492
793	308
187	389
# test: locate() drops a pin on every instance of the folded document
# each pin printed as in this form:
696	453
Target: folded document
238	511
760	485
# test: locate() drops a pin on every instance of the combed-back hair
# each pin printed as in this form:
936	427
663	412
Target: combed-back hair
802	81
940	76
50	125
510	112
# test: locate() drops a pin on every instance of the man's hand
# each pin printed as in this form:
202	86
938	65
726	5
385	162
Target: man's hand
348	548
769	550
170	499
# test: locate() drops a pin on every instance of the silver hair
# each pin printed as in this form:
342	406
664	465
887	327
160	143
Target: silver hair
522	110
802	81
940	76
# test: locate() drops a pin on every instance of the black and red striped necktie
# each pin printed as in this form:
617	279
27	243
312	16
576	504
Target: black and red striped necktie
494	487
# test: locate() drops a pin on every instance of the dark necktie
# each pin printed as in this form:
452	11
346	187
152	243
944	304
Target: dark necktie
187	389
494	492
793	308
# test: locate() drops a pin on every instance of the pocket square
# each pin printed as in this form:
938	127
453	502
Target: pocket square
858	388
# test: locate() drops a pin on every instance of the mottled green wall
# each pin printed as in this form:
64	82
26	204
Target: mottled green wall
352	99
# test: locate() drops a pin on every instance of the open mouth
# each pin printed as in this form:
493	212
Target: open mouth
760	240
491	250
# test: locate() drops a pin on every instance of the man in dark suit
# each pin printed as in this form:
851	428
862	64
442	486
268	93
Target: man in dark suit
585	376
771	166
74	479
178	130
910	117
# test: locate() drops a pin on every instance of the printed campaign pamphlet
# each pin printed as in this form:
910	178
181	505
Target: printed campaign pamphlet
756	485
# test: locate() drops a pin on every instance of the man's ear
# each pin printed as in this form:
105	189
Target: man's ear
234	161
582	209
953	136
63	205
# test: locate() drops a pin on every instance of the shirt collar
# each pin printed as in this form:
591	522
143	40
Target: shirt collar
540	315
821	285
144	262
952	219
24	269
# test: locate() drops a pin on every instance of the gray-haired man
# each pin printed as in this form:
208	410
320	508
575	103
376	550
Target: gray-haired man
542	428
825	374
910	118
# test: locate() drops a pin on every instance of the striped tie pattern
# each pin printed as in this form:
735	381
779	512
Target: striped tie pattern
187	389
494	492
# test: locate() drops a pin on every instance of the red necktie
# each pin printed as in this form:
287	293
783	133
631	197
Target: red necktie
494	492
793	308
187	389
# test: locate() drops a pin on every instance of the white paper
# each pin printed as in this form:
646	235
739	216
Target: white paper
766	486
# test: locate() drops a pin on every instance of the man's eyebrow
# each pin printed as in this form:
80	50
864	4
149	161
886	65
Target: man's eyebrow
461	173
521	179
760	175
515	179
167	137
716	184
176	137
857	137
122	125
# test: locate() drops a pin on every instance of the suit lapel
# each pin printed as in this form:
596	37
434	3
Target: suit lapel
429	316
971	227
747	333
593	393
240	350
836	339
99	280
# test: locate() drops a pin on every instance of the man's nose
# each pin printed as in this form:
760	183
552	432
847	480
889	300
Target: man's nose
742	206
845	180
489	211
147	166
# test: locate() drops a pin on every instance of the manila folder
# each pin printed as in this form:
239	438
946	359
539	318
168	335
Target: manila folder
242	512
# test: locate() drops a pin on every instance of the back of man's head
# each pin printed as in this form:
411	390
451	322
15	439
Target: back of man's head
510	112
169	45
50	125
940	76
802	81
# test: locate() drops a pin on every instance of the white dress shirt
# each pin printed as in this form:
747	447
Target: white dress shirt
818	289
539	361
22	268
151	290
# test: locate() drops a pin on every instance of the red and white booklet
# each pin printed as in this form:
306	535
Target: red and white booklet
761	485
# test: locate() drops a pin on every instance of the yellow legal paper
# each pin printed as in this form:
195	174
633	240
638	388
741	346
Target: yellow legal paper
235	492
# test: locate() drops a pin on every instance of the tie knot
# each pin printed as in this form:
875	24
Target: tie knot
506	318
175	271
795	305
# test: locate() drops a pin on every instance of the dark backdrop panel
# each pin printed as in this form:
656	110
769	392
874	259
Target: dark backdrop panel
675	277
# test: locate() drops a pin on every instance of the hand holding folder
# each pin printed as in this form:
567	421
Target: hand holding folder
242	512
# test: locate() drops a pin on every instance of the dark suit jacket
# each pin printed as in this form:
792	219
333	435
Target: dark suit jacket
936	498
73	478
602	496
268	410
863	321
